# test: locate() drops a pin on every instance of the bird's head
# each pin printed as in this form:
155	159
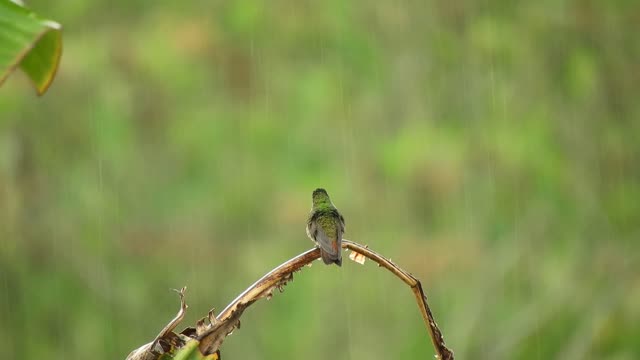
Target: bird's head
320	197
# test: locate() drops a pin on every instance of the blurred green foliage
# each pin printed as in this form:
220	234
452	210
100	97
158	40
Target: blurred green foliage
490	148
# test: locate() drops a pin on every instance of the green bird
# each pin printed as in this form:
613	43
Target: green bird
325	227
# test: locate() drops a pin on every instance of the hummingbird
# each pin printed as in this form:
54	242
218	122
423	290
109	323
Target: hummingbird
325	227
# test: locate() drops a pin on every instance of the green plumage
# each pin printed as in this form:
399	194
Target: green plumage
325	227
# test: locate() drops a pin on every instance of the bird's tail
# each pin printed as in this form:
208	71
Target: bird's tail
329	259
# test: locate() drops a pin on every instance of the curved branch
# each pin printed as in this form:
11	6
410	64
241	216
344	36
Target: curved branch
437	339
211	336
266	284
219	327
175	321
151	350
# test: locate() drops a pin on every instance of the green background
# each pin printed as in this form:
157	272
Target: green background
490	148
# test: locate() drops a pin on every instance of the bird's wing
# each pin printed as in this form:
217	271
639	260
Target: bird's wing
311	228
328	242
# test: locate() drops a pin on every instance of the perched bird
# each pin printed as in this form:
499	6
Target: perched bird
325	227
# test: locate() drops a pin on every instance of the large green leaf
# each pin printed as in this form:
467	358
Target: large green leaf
30	42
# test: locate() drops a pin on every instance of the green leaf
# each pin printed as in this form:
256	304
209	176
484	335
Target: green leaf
30	42
190	351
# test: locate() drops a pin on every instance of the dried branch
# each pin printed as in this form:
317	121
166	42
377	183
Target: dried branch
151	350
212	338
211	331
176	320
442	352
279	277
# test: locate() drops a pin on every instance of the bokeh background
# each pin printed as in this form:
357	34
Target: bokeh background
490	148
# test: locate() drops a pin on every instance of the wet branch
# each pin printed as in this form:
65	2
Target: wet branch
279	276
153	349
212	330
437	339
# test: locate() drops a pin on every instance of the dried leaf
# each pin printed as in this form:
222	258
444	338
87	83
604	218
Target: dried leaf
201	327
212	317
357	257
